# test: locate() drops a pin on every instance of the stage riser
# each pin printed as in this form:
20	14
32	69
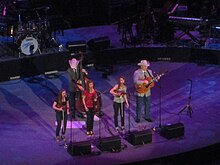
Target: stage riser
170	54
33	65
39	64
99	43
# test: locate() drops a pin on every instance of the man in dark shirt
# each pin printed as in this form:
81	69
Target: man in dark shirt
74	73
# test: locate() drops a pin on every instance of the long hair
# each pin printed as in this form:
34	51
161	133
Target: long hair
87	84
119	84
59	98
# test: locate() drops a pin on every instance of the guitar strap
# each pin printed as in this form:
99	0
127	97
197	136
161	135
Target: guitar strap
149	74
145	76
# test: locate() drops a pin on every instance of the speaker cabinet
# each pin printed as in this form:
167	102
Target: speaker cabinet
79	148
76	46
99	43
172	131
141	137
112	144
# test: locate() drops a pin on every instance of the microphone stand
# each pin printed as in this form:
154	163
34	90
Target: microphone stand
63	129
70	146
188	106
122	112
71	129
158	128
129	117
100	128
99	141
160	106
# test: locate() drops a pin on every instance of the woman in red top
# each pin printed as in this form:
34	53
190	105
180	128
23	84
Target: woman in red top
88	98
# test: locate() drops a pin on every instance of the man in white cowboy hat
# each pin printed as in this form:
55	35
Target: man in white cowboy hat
74	73
141	79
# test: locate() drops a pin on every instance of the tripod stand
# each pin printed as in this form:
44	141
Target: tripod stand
188	106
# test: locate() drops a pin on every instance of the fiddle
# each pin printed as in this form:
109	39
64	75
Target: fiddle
63	107
120	93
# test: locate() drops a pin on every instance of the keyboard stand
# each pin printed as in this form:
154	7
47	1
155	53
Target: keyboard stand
186	31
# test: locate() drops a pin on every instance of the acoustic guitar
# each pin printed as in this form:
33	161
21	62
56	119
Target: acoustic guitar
143	88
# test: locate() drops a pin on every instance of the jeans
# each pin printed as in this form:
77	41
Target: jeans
117	107
59	118
139	102
89	120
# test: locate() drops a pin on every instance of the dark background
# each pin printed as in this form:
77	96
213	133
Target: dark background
79	13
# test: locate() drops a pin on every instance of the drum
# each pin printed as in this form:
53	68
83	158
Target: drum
29	46
44	24
21	28
31	26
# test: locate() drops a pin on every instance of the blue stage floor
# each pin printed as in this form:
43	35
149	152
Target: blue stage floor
27	120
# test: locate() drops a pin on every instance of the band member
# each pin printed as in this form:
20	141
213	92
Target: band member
61	107
142	79
74	73
120	99
89	99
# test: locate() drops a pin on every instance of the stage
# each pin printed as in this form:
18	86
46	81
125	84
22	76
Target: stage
27	91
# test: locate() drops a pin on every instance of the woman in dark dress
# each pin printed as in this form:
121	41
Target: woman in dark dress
61	107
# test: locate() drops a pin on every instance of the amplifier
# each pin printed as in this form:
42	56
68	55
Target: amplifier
141	137
76	46
79	148
172	131
112	144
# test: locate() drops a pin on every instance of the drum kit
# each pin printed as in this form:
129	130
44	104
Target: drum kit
32	35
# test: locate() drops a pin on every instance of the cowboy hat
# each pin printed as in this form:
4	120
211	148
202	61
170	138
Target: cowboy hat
144	63
73	63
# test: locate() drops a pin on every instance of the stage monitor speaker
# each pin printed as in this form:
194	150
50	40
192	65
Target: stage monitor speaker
76	46
172	131
112	144
97	44
79	148
141	137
